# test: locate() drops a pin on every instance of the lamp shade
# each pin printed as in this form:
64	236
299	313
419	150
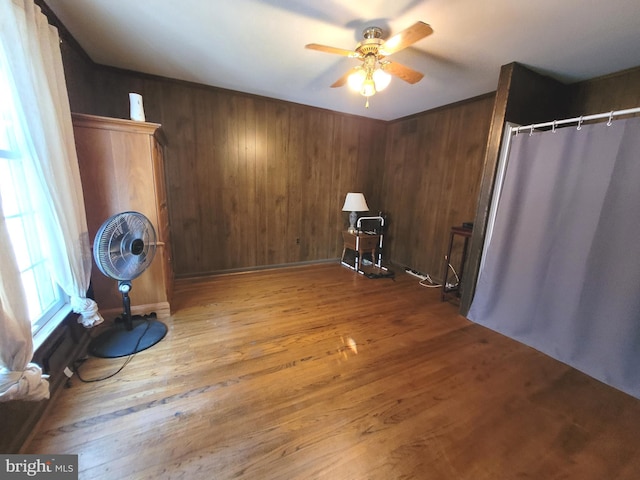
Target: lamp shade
368	88
355	202
356	79
381	79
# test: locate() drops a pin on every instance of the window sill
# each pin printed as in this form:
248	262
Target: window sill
48	328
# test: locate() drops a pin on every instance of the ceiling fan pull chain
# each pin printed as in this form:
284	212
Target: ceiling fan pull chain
366	105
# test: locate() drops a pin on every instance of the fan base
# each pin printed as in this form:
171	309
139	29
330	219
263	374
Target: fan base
120	342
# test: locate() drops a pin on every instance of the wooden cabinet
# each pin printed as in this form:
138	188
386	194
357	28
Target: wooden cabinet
121	166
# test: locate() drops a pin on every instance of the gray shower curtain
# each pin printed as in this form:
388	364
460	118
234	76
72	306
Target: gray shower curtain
562	269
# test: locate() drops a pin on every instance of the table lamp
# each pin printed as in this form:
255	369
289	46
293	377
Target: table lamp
354	203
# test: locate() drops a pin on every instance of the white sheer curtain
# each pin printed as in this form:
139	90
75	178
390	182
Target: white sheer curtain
18	377
31	50
562	269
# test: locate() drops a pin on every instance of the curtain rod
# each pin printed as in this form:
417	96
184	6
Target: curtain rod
577	120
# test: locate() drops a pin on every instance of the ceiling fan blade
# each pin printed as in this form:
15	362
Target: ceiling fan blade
405	38
343	79
405	73
334	50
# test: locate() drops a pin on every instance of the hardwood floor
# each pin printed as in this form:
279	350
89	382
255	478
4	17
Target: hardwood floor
319	373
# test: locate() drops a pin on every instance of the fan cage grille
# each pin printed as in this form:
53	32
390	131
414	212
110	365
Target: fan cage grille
125	246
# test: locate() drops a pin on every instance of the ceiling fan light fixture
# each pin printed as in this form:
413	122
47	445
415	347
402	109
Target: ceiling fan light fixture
381	79
356	80
374	74
368	87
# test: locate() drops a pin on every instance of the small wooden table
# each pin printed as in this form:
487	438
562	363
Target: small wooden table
360	243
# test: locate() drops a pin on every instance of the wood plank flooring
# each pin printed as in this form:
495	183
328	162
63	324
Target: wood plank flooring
317	372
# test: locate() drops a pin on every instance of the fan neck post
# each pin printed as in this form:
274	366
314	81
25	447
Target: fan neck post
371	43
372	32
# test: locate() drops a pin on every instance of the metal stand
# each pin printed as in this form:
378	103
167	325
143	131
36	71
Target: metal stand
378	263
466	234
363	242
130	333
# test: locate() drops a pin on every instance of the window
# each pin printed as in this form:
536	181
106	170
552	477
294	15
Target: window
44	297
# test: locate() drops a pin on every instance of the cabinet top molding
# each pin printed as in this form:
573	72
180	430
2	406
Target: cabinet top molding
95	121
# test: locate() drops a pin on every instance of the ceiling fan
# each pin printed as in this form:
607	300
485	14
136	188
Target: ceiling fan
374	74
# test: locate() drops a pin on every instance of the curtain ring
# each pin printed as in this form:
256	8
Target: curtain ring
610	119
531	132
553	127
580	123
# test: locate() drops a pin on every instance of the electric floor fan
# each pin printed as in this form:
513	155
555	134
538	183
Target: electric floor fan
123	249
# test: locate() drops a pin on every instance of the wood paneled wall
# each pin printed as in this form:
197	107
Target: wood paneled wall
255	182
617	91
251	181
431	178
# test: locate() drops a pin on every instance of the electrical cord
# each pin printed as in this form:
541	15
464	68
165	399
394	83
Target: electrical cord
456	275
77	363
80	361
433	284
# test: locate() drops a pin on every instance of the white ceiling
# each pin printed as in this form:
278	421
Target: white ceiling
257	46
